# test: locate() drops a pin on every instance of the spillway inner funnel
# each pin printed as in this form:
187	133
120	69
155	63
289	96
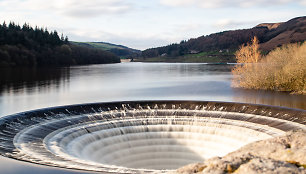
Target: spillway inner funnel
148	136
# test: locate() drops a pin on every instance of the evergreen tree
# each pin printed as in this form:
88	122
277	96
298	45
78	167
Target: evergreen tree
66	40
62	37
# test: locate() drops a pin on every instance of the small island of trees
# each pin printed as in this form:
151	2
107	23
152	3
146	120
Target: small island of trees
28	46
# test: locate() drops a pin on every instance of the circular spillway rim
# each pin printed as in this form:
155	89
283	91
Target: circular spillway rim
289	114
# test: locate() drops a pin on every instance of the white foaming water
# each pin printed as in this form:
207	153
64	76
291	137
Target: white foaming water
152	143
139	140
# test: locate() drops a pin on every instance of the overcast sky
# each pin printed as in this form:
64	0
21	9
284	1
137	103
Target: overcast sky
144	24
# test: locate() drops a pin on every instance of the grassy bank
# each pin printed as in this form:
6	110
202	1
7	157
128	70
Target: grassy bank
203	57
283	69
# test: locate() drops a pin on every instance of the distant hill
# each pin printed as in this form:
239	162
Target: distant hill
220	47
119	50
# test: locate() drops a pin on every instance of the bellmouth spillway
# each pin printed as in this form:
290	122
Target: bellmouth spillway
140	136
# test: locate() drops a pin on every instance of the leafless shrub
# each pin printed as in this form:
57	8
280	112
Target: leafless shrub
283	69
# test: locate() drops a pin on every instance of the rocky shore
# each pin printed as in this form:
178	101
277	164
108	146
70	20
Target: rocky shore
281	155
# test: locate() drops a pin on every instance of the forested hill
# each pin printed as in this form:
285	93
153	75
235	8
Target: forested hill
226	43
27	46
119	50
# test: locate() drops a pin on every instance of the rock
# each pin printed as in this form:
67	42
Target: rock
192	168
261	165
285	154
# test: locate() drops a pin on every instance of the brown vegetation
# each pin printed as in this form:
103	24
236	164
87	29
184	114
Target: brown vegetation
270	26
283	69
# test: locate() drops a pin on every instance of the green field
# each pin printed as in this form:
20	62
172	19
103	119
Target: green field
203	57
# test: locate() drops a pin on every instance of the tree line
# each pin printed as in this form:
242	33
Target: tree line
28	46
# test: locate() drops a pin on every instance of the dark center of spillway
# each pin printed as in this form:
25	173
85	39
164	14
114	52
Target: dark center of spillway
127	137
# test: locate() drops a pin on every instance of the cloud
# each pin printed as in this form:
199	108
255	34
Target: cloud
176	2
227	3
187	27
225	24
71	8
303	2
91	8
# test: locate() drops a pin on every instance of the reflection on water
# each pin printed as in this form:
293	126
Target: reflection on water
25	89
29	79
270	98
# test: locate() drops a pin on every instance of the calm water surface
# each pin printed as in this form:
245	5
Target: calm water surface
27	89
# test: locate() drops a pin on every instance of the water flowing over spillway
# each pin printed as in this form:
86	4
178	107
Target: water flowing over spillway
140	137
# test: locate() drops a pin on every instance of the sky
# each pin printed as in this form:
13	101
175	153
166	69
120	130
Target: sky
143	24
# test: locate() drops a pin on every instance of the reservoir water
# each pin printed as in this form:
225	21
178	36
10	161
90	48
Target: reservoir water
27	89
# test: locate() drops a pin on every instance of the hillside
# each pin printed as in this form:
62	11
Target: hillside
289	32
119	50
220	47
26	46
270	26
